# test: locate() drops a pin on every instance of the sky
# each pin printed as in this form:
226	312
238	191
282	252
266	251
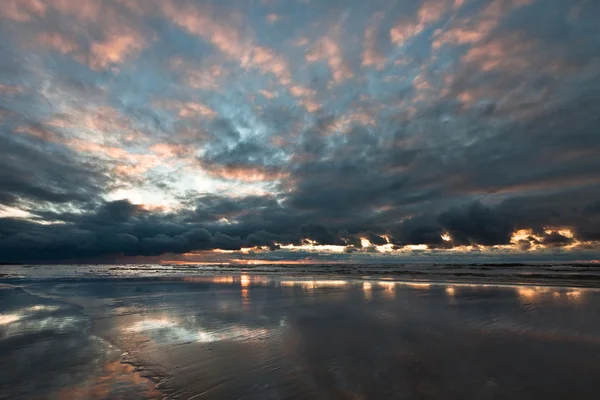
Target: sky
299	130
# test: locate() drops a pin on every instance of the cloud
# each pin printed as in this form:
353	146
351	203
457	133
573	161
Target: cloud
371	55
430	129
23	11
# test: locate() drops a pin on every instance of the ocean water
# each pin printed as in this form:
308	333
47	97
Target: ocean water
575	274
72	333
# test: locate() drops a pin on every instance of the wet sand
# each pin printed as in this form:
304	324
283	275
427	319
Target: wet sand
271	337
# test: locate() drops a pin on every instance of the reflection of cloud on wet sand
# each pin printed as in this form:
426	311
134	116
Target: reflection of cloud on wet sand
117	380
162	329
48	351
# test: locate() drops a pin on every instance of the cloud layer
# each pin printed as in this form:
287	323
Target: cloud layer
280	130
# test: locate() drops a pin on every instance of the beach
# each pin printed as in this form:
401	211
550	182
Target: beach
247	335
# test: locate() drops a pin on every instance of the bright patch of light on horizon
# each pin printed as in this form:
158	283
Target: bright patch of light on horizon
566	232
417	247
324	248
521	234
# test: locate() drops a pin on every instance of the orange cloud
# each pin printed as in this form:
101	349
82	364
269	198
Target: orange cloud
193	109
187	109
330	50
10	90
205	79
228	39
267	94
120	38
300	42
371	56
116	48
306	98
344	123
508	53
38	132
111	152
299	91
82	10
310	105
116	36
126	164
269	62
97	124
429	12
475	29
57	41
272	18
22	10
167	150
201	22
243	173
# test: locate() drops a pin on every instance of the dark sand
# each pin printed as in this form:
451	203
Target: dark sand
259	337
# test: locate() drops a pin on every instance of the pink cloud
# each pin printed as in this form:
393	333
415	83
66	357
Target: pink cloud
10	90
429	12
371	56
168	150
267	94
187	109
116	48
57	41
269	62
328	49
22	10
510	53
201	22
477	28
82	10
242	173
116	36
272	18
229	39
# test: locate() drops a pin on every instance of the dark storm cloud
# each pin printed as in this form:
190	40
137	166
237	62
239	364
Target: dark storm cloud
476	224
43	175
146	127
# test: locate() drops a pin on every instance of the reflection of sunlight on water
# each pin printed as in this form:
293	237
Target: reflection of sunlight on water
418	285
245	281
222	279
245	298
574	295
531	294
389	289
450	292
313	284
528	293
367	286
